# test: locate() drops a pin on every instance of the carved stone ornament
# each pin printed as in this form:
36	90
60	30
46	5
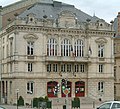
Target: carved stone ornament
101	40
30	37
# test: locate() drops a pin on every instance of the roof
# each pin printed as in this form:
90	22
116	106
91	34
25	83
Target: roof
52	10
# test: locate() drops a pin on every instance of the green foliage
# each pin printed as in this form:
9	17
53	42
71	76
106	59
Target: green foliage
46	98
76	102
35	102
41	99
20	101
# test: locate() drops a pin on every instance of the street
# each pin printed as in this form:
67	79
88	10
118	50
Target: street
83	106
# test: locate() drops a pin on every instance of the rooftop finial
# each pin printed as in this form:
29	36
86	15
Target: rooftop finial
94	13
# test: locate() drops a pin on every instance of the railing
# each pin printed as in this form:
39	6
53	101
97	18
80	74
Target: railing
67	59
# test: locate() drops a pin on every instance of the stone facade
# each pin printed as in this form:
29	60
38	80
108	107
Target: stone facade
116	67
39	51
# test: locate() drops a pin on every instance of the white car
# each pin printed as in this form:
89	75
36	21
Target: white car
110	105
2	107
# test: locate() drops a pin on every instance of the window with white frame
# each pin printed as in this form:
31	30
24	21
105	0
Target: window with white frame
63	68
55	67
30	87
101	68
30	48
65	48
101	50
100	86
30	67
76	68
79	48
52	47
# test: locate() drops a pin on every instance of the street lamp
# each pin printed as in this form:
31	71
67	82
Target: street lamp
17	91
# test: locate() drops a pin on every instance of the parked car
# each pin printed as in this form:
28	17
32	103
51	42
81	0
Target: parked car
2	107
110	105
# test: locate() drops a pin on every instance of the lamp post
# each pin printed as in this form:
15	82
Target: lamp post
17	91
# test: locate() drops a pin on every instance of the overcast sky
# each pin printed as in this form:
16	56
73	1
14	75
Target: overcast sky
104	9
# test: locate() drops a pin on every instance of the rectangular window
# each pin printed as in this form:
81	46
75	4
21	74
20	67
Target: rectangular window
100	86
101	68
3	52
10	87
82	68
63	68
30	87
30	48
101	50
48	67
114	73
76	68
69	67
30	65
11	47
55	67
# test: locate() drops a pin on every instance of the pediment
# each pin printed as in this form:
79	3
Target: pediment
30	37
101	40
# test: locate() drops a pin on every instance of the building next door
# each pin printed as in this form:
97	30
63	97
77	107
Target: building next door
79	89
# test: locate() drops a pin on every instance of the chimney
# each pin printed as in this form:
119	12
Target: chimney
57	4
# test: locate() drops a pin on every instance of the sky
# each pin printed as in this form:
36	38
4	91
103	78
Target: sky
104	9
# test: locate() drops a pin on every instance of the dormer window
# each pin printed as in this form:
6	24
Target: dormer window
67	19
31	18
101	24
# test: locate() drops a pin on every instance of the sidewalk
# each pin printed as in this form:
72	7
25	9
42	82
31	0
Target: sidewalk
82	106
15	107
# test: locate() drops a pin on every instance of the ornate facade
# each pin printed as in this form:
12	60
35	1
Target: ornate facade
51	41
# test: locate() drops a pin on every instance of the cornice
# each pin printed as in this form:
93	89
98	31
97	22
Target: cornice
71	31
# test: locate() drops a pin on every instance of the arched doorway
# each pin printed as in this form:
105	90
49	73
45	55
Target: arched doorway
50	88
69	86
79	89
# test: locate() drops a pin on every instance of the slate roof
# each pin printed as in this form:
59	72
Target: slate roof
52	10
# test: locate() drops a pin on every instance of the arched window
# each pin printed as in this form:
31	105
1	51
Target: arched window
78	48
30	48
101	50
101	86
65	47
80	89
30	87
51	88
52	47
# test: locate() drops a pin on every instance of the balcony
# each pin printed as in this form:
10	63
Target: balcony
66	59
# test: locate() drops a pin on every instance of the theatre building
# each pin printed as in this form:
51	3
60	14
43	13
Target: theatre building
44	42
